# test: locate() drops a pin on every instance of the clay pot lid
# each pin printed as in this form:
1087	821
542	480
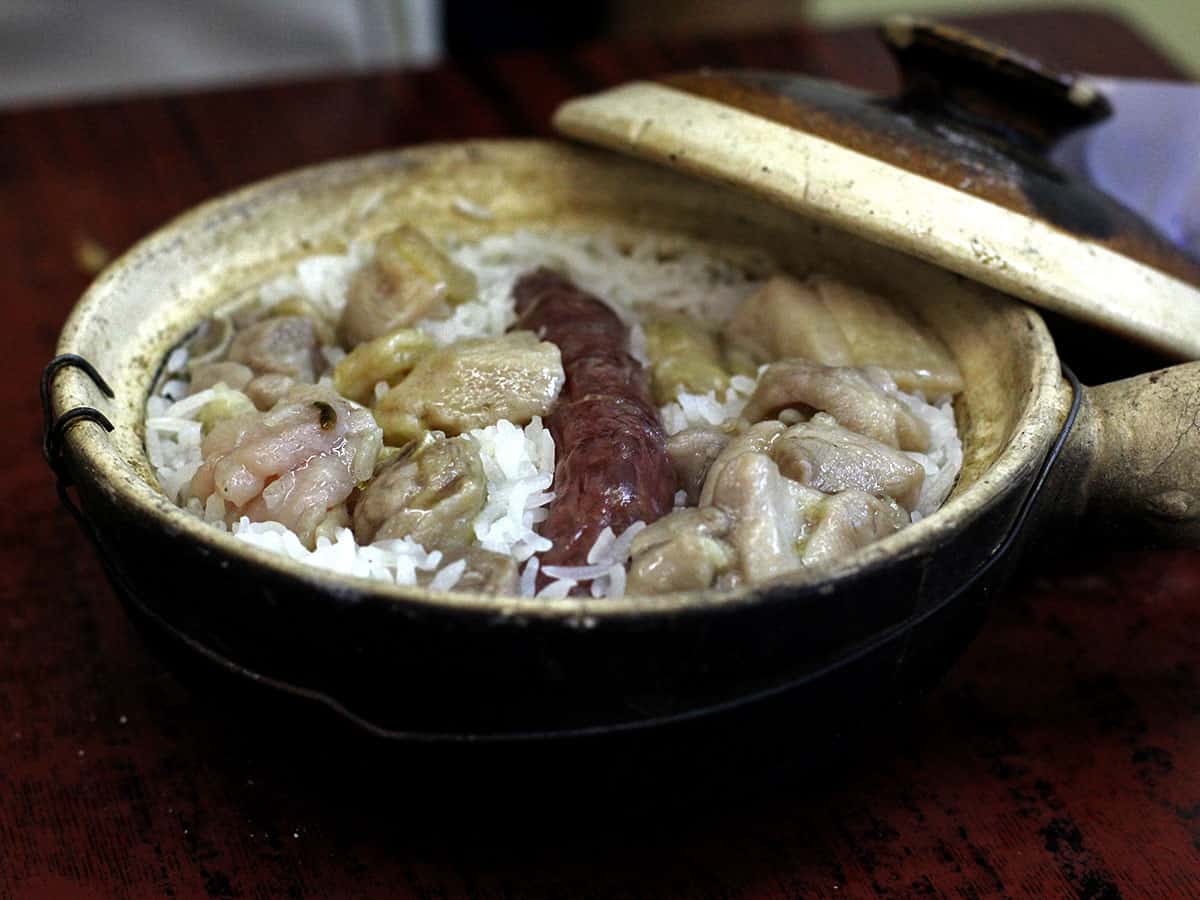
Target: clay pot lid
952	170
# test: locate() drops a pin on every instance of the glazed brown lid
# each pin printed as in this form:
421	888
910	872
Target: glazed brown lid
953	170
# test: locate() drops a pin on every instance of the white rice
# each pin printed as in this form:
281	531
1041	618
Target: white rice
529	577
556	590
395	561
691	410
605	569
471	209
447	577
173	435
519	467
322	280
944	460
658	273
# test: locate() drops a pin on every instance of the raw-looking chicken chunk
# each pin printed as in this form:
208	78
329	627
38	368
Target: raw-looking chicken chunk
849	521
473	384
682	551
282	345
431	495
826	320
846	394
770	514
409	279
291	465
692	452
831	459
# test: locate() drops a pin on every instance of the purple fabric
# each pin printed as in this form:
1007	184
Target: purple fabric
1147	155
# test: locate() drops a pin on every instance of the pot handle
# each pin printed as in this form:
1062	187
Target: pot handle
1140	443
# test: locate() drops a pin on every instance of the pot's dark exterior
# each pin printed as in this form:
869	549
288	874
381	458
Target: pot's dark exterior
428	672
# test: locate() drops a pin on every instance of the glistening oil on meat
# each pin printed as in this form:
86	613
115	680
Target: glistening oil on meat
552	413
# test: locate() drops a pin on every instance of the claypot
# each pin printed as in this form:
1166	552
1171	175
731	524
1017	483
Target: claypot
409	663
941	199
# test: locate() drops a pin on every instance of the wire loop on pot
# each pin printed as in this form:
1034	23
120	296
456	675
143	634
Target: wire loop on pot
54	430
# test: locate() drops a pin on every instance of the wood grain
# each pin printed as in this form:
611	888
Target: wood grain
1061	757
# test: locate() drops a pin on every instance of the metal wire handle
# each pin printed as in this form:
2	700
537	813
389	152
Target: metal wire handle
54	430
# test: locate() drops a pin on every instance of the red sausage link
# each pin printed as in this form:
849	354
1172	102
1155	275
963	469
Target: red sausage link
612	468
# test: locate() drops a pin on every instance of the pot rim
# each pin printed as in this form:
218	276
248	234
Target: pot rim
97	464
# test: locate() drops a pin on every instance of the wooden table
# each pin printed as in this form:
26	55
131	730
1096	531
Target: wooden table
1061	757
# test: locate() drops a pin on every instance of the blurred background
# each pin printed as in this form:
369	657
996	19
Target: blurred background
69	49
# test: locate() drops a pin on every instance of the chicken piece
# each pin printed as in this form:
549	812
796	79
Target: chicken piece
770	514
231	374
849	521
298	306
785	318
265	391
825	320
488	573
707	520
880	334
431	495
472	384
832	459
283	345
387	358
692	452
684	358
292	464
758	438
846	394
681	551
409	279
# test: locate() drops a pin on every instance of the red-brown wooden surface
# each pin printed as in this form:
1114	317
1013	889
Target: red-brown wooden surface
1061	757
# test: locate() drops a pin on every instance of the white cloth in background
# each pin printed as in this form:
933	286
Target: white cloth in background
1147	155
64	49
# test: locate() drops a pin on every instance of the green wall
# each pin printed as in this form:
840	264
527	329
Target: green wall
1174	25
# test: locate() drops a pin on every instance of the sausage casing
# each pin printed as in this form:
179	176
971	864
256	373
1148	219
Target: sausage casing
612	468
